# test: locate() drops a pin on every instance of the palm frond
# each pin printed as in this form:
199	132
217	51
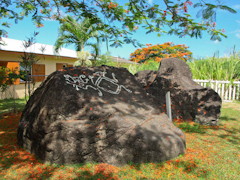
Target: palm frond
79	33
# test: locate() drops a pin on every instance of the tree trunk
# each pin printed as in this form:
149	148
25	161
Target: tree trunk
26	85
83	61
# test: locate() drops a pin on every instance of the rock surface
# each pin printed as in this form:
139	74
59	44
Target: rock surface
99	114
190	101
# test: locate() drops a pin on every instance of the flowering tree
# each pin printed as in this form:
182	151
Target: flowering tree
135	13
159	51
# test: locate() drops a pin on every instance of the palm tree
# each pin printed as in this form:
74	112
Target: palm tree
79	33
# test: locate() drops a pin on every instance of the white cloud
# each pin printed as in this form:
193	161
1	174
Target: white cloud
236	32
150	1
213	42
237	6
237	35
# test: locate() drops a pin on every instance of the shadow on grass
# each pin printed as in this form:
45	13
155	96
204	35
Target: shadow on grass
232	139
227	118
229	114
17	160
192	167
8	105
87	175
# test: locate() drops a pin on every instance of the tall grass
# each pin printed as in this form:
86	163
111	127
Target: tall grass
215	68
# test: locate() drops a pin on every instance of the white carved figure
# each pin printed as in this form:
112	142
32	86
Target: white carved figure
83	81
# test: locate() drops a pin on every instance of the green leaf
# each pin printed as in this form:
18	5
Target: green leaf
227	9
197	5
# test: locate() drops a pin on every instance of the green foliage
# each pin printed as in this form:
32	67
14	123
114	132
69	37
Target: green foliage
88	63
82	59
78	63
104	59
7	77
151	65
83	55
79	33
152	17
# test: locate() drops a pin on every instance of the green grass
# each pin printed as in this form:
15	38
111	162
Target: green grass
8	105
187	127
212	153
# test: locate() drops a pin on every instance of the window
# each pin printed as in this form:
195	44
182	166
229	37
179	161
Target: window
36	72
25	72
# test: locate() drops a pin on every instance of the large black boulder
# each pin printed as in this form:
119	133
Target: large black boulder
190	101
99	114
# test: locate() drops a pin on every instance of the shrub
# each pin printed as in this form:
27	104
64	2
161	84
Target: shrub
104	59
82	59
151	65
7	77
158	52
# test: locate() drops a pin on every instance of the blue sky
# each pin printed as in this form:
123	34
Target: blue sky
200	47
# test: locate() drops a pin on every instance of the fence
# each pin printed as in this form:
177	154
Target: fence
227	91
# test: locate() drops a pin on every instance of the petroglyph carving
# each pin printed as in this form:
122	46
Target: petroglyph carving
102	83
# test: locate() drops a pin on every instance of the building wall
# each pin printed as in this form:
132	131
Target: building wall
50	62
17	91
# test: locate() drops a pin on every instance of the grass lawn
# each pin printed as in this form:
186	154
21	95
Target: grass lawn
212	153
7	105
